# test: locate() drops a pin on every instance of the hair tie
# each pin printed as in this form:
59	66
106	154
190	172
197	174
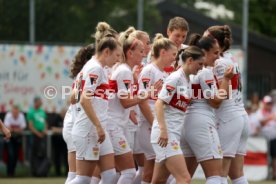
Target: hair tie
133	44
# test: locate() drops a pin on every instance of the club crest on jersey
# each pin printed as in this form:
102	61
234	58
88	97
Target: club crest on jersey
134	87
122	143
146	82
175	145
96	151
209	83
93	78
127	83
170	89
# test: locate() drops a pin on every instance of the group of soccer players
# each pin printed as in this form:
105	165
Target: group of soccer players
145	112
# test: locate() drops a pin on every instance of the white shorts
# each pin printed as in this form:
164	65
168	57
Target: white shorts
133	141
144	140
233	135
88	148
118	139
172	148
200	138
67	136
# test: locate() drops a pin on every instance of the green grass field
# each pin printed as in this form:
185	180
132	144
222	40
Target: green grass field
61	181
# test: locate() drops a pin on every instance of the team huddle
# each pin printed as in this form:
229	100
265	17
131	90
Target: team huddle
145	112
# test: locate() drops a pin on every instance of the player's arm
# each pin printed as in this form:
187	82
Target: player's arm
89	89
146	111
159	108
223	90
127	99
85	101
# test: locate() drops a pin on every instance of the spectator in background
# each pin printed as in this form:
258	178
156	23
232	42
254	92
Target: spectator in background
37	125
255	102
266	117
15	122
59	149
253	123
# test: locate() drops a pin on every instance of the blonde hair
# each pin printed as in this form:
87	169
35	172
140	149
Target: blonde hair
160	42
103	29
128	39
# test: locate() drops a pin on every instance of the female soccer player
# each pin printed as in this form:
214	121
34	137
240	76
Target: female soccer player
133	126
232	119
91	141
153	74
171	105
122	85
83	55
201	142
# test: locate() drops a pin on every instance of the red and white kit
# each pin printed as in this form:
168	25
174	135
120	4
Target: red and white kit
176	94
232	119
92	78
121	83
200	137
148	77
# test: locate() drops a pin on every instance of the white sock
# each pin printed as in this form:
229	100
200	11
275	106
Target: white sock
213	180
108	177
144	182
70	176
240	180
170	179
95	180
127	176
224	180
81	180
117	177
138	176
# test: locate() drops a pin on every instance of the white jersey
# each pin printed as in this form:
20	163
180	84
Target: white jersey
121	82
148	77
232	107
12	122
176	94
92	78
204	87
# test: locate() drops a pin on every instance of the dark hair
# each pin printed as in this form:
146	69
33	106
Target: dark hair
191	51
160	42
83	55
205	43
178	23
222	34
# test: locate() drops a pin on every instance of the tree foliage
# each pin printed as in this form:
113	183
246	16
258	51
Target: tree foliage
262	18
70	21
73	21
